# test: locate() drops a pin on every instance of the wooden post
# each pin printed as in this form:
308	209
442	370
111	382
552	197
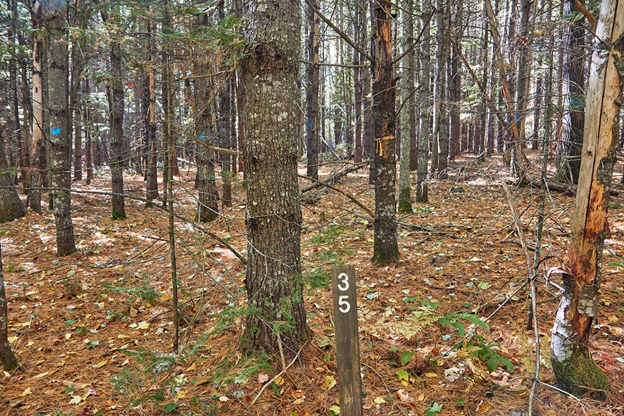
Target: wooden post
347	340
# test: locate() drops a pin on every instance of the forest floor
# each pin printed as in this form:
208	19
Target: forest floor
93	331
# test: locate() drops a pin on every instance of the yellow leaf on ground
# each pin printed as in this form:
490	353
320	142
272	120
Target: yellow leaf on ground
26	392
335	410
431	375
330	382
612	318
12	339
181	394
279	381
143	325
101	364
380	400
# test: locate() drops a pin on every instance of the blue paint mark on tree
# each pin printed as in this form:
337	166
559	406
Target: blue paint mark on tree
201	137
55	131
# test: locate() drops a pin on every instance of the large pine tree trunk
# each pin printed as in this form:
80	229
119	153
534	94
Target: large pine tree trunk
273	281
386	250
424	103
59	138
573	366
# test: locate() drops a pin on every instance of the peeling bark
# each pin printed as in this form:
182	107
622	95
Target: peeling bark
573	366
386	250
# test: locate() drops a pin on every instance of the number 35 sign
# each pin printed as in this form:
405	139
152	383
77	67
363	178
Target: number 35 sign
347	340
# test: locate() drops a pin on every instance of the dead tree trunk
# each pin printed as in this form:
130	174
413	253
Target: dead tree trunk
573	366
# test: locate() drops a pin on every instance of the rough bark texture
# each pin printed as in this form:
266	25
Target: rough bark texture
273	216
358	22
441	123
116	122
405	199
37	114
59	138
208	209
573	366
7	358
574	96
455	94
225	129
386	250
312	92
424	102
11	206
149	122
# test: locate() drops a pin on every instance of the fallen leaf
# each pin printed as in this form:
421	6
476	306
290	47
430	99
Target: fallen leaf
143	325
330	382
223	399
26	392
101	364
380	400
41	375
612	318
431	375
75	400
263	378
12	339
335	410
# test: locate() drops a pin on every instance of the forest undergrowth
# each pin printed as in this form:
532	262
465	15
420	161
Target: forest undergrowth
93	331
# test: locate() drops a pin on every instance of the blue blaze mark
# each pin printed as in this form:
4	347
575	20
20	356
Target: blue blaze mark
55	131
201	137
309	124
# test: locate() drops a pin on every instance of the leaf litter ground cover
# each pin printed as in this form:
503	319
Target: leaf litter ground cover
93	331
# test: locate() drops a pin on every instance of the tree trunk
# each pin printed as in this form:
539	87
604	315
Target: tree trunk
573	365
225	126
11	206
273	216
456	8
208	210
441	123
405	199
59	139
483	107
424	103
574	100
149	121
37	114
7	358
76	75
312	91
358	22
386	250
